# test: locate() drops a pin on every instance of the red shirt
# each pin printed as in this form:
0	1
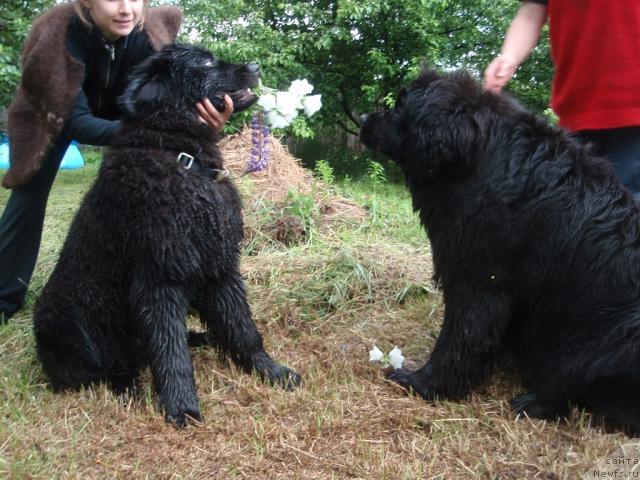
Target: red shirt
595	46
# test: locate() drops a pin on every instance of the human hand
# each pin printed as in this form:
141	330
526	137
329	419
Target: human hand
499	72
210	115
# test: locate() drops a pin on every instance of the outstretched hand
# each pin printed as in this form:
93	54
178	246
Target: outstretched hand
499	72
210	115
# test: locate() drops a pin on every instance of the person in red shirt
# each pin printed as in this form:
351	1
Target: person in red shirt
595	48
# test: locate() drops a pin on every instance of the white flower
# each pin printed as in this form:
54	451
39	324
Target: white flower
375	354
287	104
289	118
300	88
267	102
311	104
396	358
276	120
281	108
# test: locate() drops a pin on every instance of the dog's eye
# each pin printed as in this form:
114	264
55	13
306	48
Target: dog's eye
208	63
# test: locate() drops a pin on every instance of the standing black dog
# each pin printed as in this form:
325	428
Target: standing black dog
161	229
536	246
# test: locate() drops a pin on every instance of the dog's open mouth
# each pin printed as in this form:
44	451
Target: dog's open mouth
242	99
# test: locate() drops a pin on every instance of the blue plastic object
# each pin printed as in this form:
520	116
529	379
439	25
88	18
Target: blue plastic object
72	158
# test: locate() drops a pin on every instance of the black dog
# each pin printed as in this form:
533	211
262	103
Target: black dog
159	230
536	247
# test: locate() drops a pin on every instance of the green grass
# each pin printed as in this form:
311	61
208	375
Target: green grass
390	209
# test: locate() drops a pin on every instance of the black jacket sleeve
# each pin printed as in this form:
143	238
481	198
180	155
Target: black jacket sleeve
84	127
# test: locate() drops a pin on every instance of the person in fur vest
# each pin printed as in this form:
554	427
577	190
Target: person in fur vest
75	63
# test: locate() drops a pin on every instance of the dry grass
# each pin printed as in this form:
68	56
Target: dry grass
320	304
283	171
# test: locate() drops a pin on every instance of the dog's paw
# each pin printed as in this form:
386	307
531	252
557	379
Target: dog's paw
273	372
407	380
286	378
531	405
183	418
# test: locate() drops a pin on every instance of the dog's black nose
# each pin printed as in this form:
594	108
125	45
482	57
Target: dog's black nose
363	118
253	67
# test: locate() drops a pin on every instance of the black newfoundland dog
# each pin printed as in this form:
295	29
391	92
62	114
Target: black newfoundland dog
536	247
159	231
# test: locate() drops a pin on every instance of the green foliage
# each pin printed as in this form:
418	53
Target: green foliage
357	54
300	128
375	173
303	206
551	115
325	172
15	20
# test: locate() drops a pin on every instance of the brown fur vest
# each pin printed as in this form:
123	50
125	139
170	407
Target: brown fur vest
50	82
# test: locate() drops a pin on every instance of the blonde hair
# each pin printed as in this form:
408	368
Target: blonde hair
83	13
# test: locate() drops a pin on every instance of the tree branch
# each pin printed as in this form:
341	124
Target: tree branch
347	109
346	128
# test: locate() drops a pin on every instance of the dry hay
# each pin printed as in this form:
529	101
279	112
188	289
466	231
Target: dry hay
283	172
336	210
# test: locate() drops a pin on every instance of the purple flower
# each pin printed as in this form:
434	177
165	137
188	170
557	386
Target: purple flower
259	157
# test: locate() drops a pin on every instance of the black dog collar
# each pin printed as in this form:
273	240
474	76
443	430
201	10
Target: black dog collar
191	163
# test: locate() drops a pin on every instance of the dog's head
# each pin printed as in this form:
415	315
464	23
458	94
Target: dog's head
174	79
436	126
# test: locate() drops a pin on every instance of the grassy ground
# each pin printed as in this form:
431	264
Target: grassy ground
320	304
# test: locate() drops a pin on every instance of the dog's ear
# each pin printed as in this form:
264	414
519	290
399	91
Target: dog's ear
147	83
447	138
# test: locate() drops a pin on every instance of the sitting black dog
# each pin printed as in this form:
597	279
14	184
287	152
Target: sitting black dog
159	231
536	247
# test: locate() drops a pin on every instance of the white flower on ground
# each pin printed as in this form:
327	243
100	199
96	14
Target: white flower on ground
267	102
300	88
396	358
311	104
375	354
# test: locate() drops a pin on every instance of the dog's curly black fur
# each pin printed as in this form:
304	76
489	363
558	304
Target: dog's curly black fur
536	246
151	238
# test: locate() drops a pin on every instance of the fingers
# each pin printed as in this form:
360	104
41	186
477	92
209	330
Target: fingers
498	73
228	103
205	115
210	115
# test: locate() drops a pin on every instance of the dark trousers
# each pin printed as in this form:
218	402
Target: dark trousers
21	231
622	147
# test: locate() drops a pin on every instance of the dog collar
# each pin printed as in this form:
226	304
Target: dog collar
191	163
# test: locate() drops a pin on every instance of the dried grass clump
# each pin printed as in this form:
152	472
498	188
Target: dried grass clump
283	172
312	288
267	193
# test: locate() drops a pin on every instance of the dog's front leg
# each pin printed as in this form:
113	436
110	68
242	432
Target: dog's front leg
161	312
473	329
225	312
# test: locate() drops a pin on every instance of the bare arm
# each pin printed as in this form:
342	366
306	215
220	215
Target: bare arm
521	38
